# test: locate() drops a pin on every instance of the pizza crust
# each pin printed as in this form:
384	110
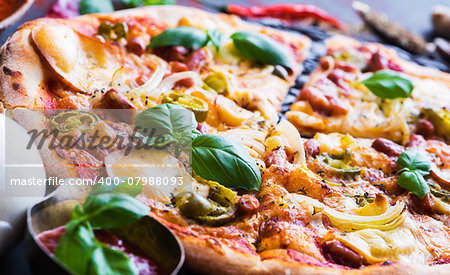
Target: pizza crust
206	255
17	60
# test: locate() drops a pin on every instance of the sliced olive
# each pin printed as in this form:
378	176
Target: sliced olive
440	119
437	190
339	164
195	104
113	32
121	30
218	208
219	193
224	202
218	220
281	72
74	120
105	29
345	171
218	81
192	205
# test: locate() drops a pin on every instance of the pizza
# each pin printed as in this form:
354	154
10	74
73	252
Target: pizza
355	197
331	102
82	51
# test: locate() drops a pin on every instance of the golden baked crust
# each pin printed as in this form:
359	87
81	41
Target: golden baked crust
207	255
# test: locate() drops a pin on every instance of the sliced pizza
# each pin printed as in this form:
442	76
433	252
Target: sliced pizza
255	197
133	59
366	90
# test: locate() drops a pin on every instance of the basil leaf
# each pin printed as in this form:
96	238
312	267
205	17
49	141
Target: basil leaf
106	260
77	212
95	6
414	165
414	160
215	37
413	181
113	210
388	84
75	247
187	37
123	187
166	119
196	133
261	48
223	160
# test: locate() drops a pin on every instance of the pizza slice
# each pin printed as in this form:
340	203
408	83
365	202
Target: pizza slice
366	90
350	205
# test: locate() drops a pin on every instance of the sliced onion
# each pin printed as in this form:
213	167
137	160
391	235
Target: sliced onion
392	218
168	83
149	88
251	139
285	134
340	218
440	177
118	81
400	243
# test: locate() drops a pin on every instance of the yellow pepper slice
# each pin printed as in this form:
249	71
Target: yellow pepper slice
440	119
195	104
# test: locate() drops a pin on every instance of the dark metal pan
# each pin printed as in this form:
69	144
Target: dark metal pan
148	234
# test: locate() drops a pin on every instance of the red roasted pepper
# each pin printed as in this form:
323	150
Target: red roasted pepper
289	12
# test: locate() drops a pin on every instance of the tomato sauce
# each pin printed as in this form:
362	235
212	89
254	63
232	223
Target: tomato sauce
7	7
145	265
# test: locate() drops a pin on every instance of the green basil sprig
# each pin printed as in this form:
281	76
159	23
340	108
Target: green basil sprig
223	160
261	48
214	157
414	165
78	249
388	84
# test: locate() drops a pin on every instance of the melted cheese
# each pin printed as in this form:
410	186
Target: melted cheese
61	45
429	92
84	63
286	135
374	237
159	172
401	243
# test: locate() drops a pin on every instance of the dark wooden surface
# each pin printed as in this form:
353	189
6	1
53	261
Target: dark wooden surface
414	14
